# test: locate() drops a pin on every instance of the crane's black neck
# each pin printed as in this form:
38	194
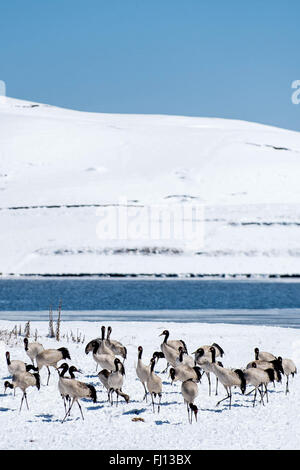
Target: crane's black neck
64	368
181	355
31	367
96	347
213	355
108	333
71	372
166	336
152	365
102	333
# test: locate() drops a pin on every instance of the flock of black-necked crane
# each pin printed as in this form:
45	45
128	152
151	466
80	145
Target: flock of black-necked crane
266	368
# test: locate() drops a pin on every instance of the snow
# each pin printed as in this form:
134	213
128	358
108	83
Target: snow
273	426
62	171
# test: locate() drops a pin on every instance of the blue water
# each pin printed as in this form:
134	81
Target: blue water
229	301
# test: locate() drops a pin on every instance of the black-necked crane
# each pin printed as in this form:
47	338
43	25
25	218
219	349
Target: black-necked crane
91	344
228	377
184	372
16	366
23	380
32	349
114	346
89	347
207	352
117	348
50	358
275	364
103	377
115	381
103	356
204	360
154	384
174	343
184	358
259	378
263	355
77	390
63	381
102	340
289	368
142	371
189	390
170	349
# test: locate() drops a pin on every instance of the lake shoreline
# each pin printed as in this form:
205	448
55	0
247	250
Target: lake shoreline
160	276
281	318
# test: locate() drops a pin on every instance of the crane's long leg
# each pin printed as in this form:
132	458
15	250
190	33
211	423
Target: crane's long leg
69	410
24	396
254	397
64	400
67	401
80	409
21	403
146	393
26	400
159	402
110	396
226	398
152	402
267	394
188	410
209	384
49	373
217	381
261	396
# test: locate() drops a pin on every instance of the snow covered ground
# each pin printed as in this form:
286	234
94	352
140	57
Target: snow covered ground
273	426
64	172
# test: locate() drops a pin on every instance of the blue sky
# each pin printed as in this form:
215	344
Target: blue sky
232	59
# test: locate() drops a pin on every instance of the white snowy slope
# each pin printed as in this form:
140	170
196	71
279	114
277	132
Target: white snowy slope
64	172
273	426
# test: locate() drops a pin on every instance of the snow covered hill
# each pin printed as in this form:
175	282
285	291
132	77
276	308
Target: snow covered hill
64	172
